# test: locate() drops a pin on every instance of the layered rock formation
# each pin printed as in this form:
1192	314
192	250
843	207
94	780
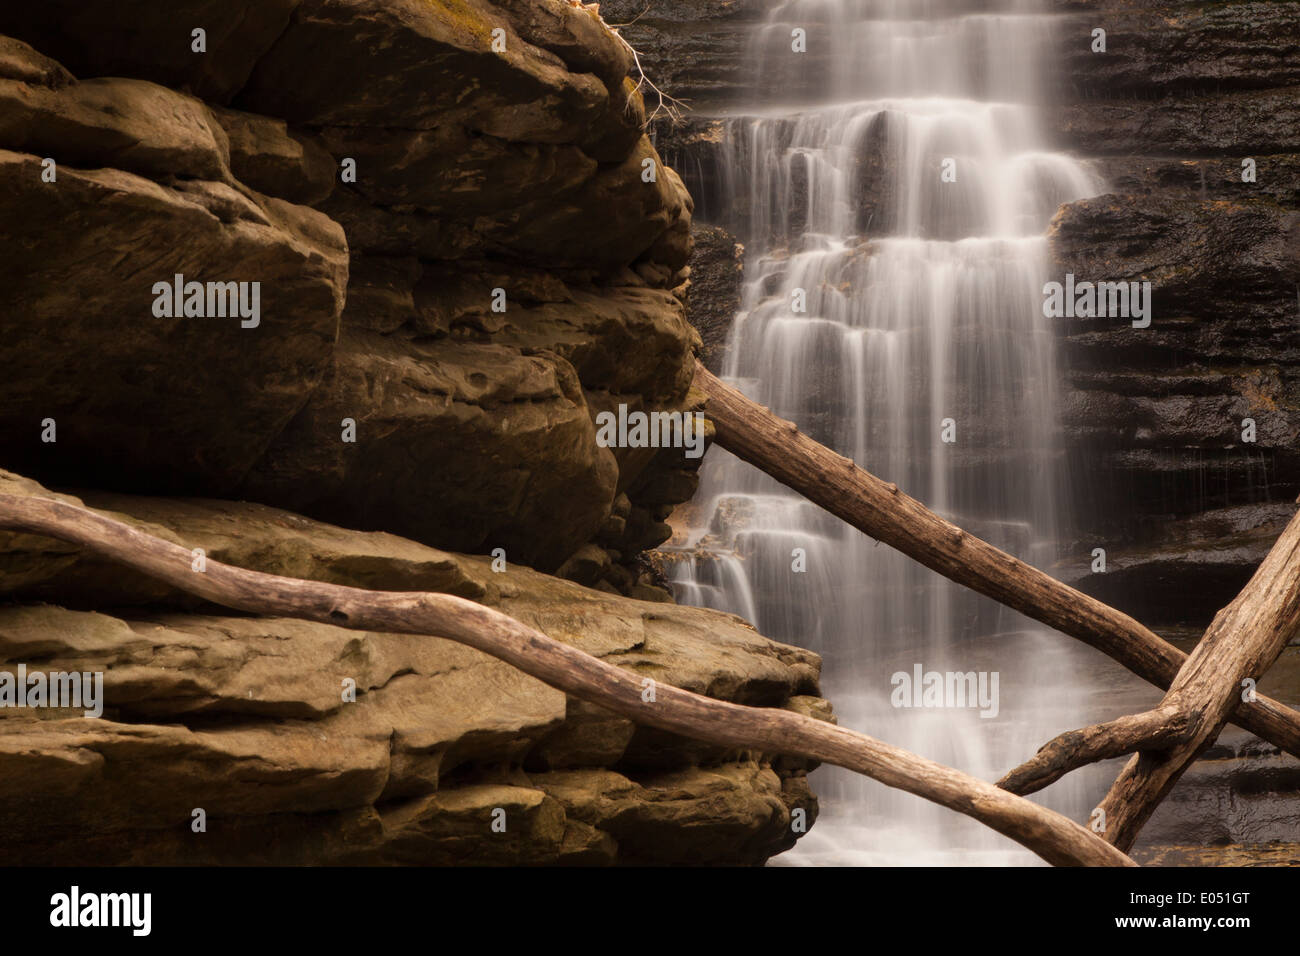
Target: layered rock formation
305	743
464	248
1183	97
508	260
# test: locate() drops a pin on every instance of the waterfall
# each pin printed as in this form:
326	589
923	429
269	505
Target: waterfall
896	316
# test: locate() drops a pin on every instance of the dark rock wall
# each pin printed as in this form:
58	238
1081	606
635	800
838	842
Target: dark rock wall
1184	93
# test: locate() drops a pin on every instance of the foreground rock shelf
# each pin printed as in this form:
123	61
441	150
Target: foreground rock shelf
246	717
380	212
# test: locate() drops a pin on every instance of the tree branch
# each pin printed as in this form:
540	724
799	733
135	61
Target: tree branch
1151	730
1052	836
775	446
1242	642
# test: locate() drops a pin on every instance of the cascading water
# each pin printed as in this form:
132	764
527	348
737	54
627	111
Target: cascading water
892	193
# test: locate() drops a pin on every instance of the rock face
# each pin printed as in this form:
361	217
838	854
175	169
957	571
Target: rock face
431	242
499	253
717	267
1183	435
246	718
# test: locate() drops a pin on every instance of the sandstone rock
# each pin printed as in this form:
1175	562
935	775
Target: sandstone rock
473	446
524	93
636	212
175	402
266	156
18	61
690	816
502	187
522	170
456	172
244	716
127	124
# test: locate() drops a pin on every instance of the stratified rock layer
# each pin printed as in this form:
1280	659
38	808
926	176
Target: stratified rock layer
1183	435
465	247
247	718
463	241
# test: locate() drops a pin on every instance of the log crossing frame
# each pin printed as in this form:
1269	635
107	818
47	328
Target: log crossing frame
1205	689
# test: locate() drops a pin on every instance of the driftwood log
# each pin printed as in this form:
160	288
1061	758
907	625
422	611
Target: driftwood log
1151	730
1052	836
881	510
1242	642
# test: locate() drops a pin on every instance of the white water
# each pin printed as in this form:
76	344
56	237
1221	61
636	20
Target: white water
924	303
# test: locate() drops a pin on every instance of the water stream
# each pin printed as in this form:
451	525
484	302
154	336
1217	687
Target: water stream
895	314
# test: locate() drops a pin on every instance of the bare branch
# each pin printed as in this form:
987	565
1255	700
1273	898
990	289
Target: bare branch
1241	643
884	512
1151	730
1053	837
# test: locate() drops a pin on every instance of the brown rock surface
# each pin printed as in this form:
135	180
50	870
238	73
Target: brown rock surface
245	717
538	181
524	170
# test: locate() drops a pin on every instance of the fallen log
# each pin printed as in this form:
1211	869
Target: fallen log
1243	641
1052	836
881	510
1150	730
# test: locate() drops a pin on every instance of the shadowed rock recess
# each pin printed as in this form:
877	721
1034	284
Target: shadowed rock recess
481	176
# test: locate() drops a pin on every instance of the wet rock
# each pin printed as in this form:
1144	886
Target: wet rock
1210	124
1191	566
1200	410
1180	48
694	50
717	267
